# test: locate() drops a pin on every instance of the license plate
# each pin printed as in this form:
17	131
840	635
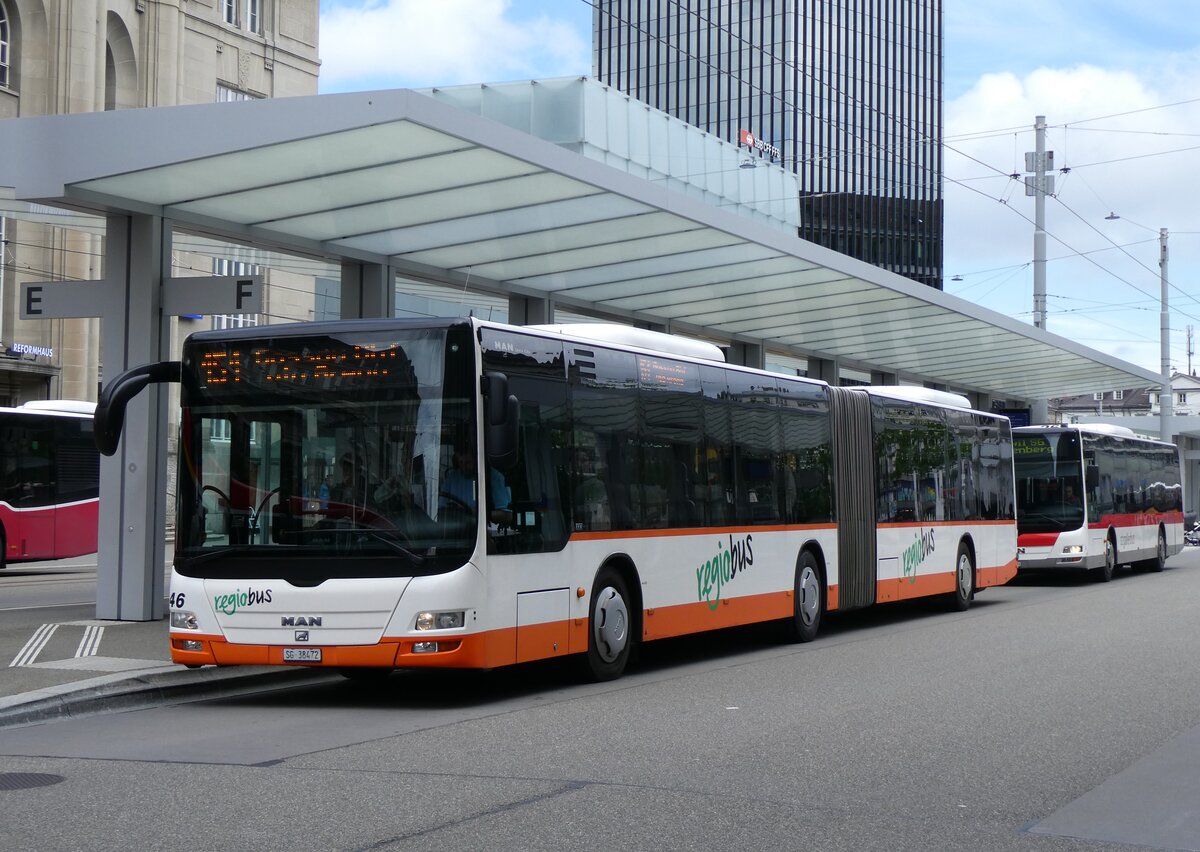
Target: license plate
302	655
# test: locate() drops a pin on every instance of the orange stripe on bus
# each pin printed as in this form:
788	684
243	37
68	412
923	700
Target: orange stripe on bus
509	645
682	619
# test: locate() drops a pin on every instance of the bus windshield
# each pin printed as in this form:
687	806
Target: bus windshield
1050	492
349	454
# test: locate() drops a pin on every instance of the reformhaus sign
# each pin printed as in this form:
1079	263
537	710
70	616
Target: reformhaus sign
30	349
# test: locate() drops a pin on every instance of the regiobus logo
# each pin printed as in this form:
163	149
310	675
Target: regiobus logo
723	568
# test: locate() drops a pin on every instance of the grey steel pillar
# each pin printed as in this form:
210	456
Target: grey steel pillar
825	369
133	483
747	355
528	310
880	377
368	290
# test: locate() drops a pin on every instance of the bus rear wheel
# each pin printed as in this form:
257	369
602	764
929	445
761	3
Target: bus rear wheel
1158	561
610	638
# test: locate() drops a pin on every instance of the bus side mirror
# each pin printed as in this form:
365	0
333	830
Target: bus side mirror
1092	476
110	409
502	415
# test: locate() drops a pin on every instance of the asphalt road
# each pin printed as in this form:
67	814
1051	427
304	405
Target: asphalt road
1053	715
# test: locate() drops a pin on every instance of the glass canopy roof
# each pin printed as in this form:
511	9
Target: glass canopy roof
403	179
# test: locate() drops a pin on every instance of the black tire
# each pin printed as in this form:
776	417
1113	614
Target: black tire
1158	561
3	548
808	600
610	627
1105	572
964	580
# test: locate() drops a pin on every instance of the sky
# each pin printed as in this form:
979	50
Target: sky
1118	83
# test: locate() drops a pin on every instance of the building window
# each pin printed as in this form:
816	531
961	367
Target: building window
252	20
1183	399
1118	394
223	266
3	44
228	93
1098	397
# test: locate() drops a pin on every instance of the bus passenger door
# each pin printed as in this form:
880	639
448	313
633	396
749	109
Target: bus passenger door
33	496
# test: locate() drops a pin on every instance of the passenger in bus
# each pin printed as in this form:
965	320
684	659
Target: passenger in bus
350	487
1069	496
591	495
459	488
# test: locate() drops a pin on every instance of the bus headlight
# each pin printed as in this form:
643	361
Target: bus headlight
1075	549
440	620
184	620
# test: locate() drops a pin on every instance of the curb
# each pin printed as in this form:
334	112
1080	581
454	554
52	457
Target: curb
135	690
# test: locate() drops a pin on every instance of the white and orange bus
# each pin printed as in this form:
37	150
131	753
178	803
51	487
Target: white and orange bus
635	487
49	481
1092	497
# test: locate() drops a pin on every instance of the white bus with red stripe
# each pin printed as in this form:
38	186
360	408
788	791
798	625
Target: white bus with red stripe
1093	497
49	481
634	487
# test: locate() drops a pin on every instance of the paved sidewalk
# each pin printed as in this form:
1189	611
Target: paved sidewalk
62	662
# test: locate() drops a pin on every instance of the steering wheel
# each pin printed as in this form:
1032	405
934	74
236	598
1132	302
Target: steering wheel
456	502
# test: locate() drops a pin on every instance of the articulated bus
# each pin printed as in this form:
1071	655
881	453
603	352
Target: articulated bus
634	487
1092	497
49	481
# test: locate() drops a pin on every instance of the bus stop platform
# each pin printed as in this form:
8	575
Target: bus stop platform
61	662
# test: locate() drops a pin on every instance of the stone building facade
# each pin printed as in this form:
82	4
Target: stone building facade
67	56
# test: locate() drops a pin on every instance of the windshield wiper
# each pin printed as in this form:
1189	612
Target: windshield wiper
210	555
371	532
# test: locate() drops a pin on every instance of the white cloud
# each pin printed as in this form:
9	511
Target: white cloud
1108	298
397	43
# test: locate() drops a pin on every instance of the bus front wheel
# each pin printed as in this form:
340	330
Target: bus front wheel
1105	572
964	579
610	636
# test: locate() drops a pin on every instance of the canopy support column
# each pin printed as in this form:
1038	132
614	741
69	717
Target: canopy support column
133	482
368	290
528	310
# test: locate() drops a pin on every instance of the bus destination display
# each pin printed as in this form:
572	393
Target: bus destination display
322	366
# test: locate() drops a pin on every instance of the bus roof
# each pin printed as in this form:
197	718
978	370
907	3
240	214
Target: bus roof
1094	429
61	406
643	338
909	393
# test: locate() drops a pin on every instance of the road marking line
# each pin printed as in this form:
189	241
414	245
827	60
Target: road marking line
27	655
90	643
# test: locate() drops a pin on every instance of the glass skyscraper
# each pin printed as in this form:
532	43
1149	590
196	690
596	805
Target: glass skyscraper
845	93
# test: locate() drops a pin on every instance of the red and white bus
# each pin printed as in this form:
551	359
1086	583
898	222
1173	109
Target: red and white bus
1092	497
635	487
49	481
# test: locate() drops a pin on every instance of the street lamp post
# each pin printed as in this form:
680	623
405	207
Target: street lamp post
1165	400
